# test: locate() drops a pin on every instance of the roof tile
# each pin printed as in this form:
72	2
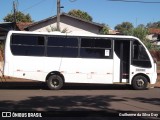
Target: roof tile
154	31
22	25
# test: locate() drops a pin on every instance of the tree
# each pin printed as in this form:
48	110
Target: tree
105	29
141	32
85	16
141	25
154	25
80	14
20	17
124	27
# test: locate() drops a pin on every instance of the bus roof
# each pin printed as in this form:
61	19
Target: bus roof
80	34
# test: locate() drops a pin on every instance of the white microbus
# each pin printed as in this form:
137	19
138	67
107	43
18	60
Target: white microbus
58	58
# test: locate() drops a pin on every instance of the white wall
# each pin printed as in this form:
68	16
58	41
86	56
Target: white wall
70	24
152	38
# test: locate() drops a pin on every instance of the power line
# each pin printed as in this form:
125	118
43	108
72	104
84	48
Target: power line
72	0
135	1
34	5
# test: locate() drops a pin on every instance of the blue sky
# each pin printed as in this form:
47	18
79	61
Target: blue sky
102	11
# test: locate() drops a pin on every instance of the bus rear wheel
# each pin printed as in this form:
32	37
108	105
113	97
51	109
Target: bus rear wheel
55	82
140	82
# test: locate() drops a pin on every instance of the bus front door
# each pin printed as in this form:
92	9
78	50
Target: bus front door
121	61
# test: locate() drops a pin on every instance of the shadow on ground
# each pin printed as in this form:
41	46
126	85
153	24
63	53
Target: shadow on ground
88	107
41	85
153	101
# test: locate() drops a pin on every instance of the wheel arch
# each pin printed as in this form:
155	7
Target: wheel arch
142	74
56	73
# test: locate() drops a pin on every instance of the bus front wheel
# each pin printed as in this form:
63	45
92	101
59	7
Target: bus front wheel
139	82
55	82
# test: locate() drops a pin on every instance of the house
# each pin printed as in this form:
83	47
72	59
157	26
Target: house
68	23
22	25
5	27
114	32
154	35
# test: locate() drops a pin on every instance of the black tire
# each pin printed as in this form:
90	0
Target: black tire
140	82
55	82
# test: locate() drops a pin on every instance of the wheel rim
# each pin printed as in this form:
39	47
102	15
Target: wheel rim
55	83
140	82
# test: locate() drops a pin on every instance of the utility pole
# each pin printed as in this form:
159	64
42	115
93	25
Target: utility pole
14	10
58	14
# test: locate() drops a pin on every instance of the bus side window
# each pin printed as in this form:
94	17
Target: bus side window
27	45
100	48
40	40
62	46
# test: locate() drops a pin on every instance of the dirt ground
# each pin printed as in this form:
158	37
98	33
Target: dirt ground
158	79
157	84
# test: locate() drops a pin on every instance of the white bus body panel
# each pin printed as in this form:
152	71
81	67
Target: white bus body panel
116	72
150	72
79	70
75	70
29	67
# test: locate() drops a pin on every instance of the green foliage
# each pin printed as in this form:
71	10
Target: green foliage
124	27
20	17
154	25
141	32
80	14
105	29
